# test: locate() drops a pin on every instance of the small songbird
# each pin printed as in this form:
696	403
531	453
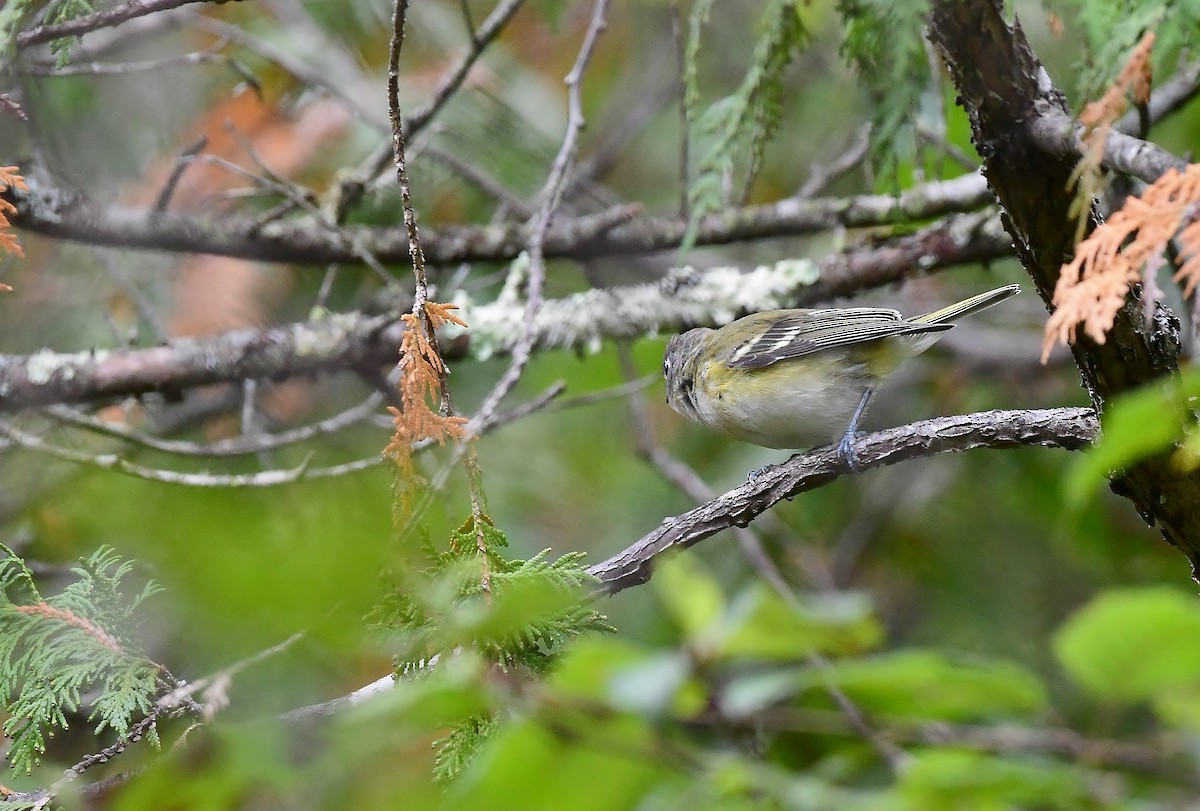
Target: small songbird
799	378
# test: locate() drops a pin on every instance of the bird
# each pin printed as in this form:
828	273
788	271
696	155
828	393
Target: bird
800	378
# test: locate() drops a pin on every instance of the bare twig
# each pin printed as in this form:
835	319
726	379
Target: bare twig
352	185
207	56
236	446
118	463
481	180
297	197
186	690
821	175
492	25
181	165
415	253
551	196
354	97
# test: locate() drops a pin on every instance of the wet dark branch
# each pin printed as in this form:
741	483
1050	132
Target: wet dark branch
1070	428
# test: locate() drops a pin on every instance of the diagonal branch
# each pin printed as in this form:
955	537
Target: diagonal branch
1070	428
552	193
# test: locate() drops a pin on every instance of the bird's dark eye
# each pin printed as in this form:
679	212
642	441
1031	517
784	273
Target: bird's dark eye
686	384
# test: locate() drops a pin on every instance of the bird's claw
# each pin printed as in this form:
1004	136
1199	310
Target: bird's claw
848	449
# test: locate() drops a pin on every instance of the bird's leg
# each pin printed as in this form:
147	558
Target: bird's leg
846	447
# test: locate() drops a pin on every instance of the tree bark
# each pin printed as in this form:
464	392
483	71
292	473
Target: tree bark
1007	93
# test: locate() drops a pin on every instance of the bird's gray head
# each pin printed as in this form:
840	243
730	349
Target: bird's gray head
680	366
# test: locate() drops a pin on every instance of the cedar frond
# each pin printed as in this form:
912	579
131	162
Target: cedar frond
1098	118
8	241
1092	287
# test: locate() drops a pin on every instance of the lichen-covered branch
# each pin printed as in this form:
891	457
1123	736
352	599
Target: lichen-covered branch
338	341
349	341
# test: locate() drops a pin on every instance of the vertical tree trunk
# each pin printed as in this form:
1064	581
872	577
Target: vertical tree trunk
1005	90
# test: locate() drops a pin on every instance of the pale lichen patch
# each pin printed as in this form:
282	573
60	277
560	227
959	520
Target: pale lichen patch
46	365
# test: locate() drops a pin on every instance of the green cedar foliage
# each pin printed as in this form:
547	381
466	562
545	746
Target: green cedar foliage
14	14
738	127
1111	28
54	650
885	42
517	615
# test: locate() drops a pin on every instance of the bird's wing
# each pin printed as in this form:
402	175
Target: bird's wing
796	333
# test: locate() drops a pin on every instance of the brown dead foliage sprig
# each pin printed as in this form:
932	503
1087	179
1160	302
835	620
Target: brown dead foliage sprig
423	374
72	619
1098	118
1092	287
9	179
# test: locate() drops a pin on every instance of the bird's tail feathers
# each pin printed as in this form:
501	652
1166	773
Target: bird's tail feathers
968	306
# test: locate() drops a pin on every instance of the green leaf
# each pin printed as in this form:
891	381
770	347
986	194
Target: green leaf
1138	424
444	694
1130	644
605	765
588	667
955	779
926	684
1179	706
649	687
761	625
691	596
604	669
754	692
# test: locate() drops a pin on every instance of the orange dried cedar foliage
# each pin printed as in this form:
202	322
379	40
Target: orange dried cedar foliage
1098	118
423	373
1092	287
8	240
75	621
